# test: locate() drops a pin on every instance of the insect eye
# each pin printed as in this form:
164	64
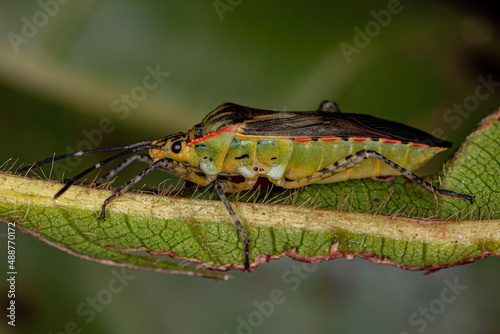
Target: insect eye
176	146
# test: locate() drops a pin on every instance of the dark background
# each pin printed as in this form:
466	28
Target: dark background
414	66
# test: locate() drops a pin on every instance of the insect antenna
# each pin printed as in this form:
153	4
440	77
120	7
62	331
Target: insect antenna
132	149
77	154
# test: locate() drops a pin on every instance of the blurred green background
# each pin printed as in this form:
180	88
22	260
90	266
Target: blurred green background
65	66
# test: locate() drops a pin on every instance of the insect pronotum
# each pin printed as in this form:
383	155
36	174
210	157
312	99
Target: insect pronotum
291	149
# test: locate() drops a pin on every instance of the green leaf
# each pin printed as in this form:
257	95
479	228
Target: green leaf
70	224
395	223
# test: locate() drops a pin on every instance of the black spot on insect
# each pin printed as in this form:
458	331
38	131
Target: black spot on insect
314	139
244	156
375	139
198	131
274	158
324	171
344	138
255	169
404	142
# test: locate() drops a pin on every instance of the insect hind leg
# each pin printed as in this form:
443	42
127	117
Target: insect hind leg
355	159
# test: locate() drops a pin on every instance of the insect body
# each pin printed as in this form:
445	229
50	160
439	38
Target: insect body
291	149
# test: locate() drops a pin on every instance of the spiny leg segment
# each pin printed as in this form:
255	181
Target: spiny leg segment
122	189
355	159
166	164
142	158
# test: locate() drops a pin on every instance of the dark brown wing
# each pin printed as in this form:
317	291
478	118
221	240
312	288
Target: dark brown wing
326	124
229	114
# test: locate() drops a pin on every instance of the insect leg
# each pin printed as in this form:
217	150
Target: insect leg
120	190
355	159
167	165
142	158
72	181
219	186
326	105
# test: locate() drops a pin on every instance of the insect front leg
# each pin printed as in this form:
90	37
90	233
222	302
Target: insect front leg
178	171
355	159
168	165
142	158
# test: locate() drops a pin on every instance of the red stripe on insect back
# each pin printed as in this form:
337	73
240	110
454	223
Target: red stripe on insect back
333	139
419	145
391	141
361	139
330	138
213	134
346	138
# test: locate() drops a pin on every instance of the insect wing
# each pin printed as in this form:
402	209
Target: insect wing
229	114
317	125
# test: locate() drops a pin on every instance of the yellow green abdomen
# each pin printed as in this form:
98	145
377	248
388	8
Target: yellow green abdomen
295	159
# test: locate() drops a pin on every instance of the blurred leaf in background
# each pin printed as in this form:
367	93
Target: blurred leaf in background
75	74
